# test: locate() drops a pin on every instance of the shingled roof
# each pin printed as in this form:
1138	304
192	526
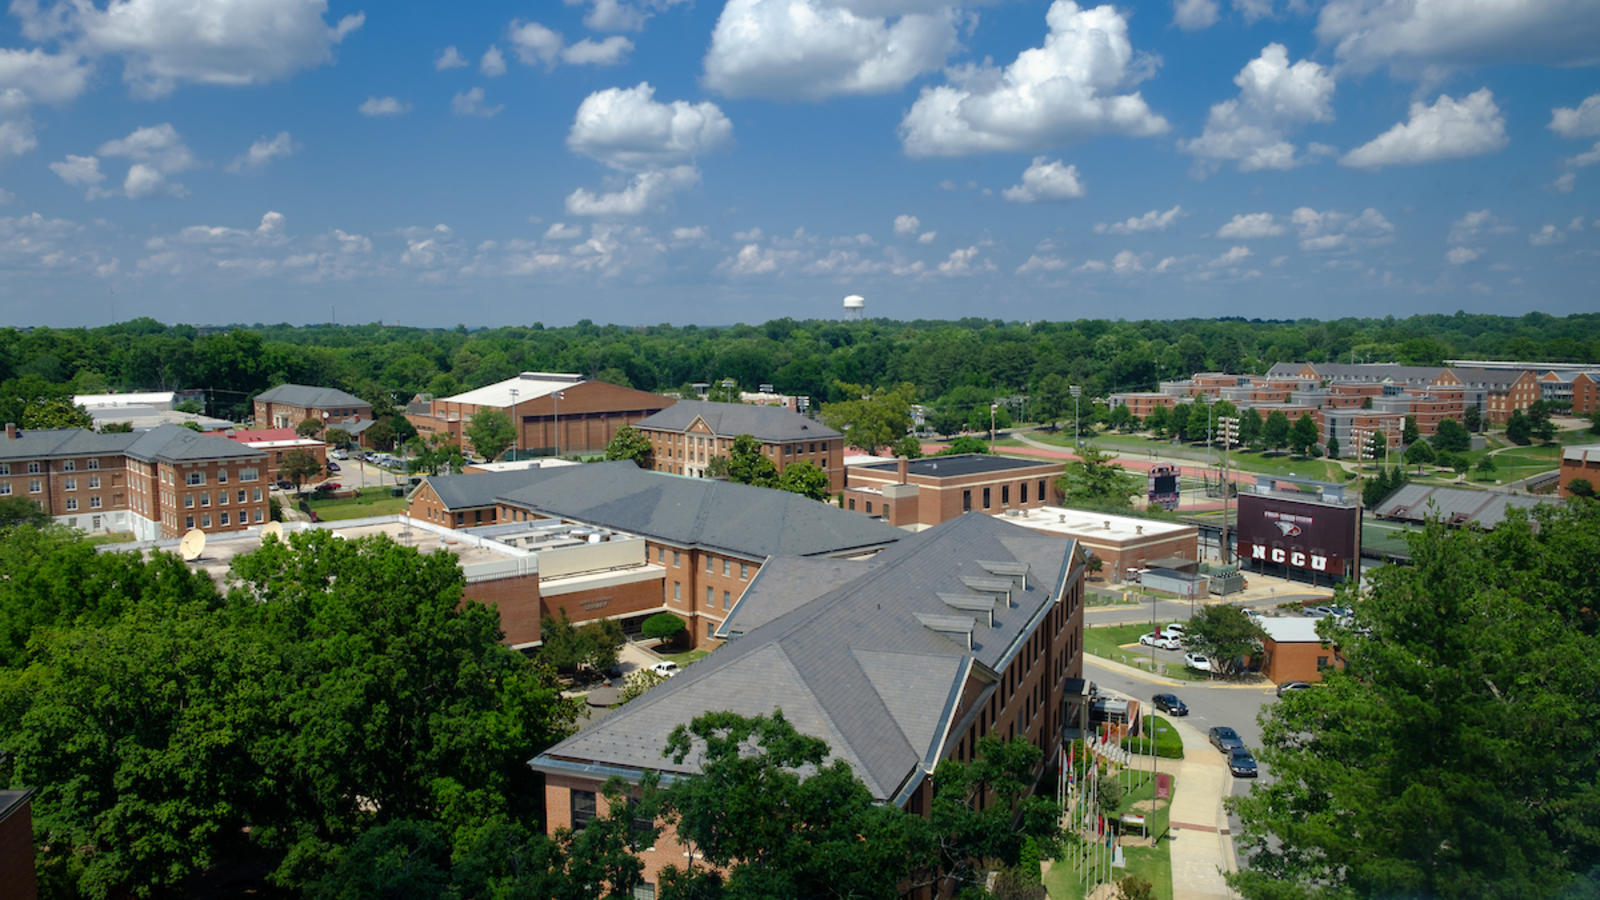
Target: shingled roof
772	424
168	443
1457	506
310	397
871	665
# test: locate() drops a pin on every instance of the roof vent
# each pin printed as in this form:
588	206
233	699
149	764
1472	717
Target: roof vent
1017	570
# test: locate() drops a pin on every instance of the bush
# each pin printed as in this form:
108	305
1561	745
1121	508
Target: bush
1168	744
663	627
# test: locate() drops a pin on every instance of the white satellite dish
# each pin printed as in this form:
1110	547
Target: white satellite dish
192	545
272	529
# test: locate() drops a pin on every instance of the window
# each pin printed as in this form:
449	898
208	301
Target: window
1023	489
72	503
744	572
222	476
34	486
205	498
675	559
727	600
1005	495
5	468
94	482
94	502
1322	663
258	515
852	503
222	519
966	501
33	468
709	561
205	520
583	809
5	488
188	522
1042	494
94	463
222	498
194	478
710	597
677	592
255	495
69	465
661	554
711	628
188	501
70	484
247	475
242	496
644	890
985	498
869	507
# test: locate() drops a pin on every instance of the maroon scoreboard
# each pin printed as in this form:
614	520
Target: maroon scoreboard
1301	534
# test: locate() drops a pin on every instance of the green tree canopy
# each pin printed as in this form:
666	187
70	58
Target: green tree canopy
1451	436
909	447
1158	420
663	626
337	436
490	432
870	418
1409	432
1224	635
631	443
1419	455
746	464
1250	428
1449	758
963	445
308	427
1303	436
1095	480
1275	430
16	510
299	466
805	478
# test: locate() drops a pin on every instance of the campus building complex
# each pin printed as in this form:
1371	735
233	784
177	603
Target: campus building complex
687	435
920	493
551	413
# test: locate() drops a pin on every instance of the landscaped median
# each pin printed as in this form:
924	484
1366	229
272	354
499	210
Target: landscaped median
1120	643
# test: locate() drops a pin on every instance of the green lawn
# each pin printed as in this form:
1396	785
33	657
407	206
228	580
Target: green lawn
1154	864
686	657
1105	641
119	537
1253	461
373	501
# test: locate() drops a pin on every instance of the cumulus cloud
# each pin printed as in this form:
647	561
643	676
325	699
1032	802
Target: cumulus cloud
384	106
1194	15
1154	220
1233	257
1249	226
154	152
1582	120
1046	181
813	49
164	43
927	237
80	171
449	58
622	15
262	152
1460	256
472	103
1587	158
1420	34
33	76
1041	263
1063	91
1476	224
1546	236
493	63
1335	230
964	261
1275	98
1565	183
646	191
904	224
537	45
16	138
1449	129
1126	262
626	128
561	231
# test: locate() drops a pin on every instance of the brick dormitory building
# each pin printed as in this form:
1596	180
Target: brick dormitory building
969	629
157	483
552	413
687	435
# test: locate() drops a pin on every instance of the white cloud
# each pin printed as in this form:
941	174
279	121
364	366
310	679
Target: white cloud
155	152
1194	15
812	49
1253	11
1092	265
1126	262
1233	257
1460	256
1062	92
1275	98
1418	34
493	63
34	76
1475	224
905	224
927	237
471	103
449	58
1565	183
264	151
1449	129
1154	220
537	45
16	138
693	234
612	51
1249	226
1037	263
1580	121
647	191
622	15
384	106
1546	236
964	262
1587	158
80	171
1335	230
627	128
561	231
1576	224
1046	181
163	43
144	180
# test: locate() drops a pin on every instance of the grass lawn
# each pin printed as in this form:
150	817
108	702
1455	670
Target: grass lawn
1105	641
686	657
119	537
1154	864
370	502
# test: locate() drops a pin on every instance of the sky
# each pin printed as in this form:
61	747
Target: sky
704	162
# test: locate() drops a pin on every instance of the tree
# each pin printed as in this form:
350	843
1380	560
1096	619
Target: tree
945	421
1419	455
338	437
986	810
1594	422
631	443
750	813
909	447
1250	428
1157	421
963	445
490	432
873	418
309	427
1381	485
117	428
1409	433
804	478
1052	399
568	647
1121	418
1486	465
746	464
1275	431
1178	420
1519	428
1539	415
664	627
1303	436
1450	436
1333	447
1581	487
1472	418
299	466
723	390
1093	479
16	511
1224	635
1429	766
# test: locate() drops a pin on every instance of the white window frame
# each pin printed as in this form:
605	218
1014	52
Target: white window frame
94	502
72	504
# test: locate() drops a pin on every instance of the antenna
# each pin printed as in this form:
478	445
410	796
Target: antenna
192	545
272	529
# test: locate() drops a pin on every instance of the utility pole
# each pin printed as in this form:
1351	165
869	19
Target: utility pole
1230	433
992	408
1077	439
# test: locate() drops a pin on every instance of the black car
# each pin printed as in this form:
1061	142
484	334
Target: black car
1225	739
1241	763
1288	686
1169	703
333	466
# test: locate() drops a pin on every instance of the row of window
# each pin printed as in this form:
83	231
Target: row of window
224	519
222	498
67	465
1005	495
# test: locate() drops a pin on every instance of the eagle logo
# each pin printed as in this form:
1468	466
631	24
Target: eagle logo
1289	529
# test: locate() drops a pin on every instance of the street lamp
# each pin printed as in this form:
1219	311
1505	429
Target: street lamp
1077	391
992	408
1229	426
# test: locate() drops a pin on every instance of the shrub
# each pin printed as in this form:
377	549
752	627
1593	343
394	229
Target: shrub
663	626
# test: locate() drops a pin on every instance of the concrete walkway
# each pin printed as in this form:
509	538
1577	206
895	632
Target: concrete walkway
1201	845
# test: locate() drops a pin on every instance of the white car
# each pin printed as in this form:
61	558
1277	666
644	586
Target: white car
666	668
1174	631
1159	641
1196	661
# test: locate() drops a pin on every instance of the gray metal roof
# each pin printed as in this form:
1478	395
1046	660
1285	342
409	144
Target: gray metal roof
62	442
477	489
169	443
309	396
749	521
1473	377
854	664
962	464
764	423
1457	506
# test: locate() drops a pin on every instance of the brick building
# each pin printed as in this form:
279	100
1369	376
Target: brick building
277	443
1585	393
157	483
1141	403
1292	650
969	629
1505	390
1123	544
687	435
16	845
549	411
924	492
1579	462
287	405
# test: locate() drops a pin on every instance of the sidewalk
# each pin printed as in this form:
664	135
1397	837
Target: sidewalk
1201	846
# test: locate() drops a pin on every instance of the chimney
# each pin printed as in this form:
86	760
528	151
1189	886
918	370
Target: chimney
11	430
902	466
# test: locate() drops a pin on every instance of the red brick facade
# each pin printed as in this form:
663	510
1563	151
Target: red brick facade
876	492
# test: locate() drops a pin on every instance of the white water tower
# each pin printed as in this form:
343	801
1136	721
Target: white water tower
853	305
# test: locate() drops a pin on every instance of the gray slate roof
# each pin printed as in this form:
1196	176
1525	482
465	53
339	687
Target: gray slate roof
309	396
854	665
1458	506
764	423
478	489
166	442
748	521
963	464
1474	377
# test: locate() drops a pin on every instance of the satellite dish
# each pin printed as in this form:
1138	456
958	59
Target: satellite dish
272	529
192	545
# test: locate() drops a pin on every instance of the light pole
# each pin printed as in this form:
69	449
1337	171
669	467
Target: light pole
556	397
1230	432
992	408
1363	440
1077	437
514	428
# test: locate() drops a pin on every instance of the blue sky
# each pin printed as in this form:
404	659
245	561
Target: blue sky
693	161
